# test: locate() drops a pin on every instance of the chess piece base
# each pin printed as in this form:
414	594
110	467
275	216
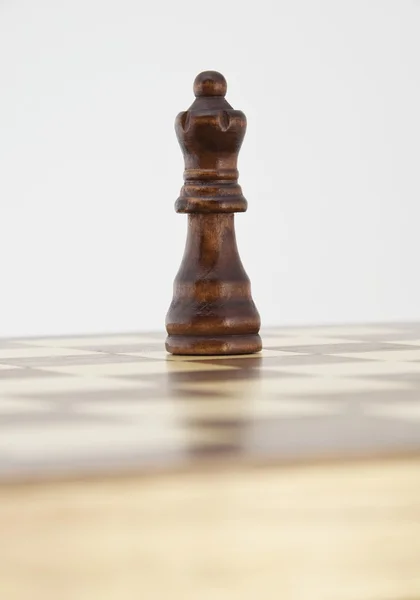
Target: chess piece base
213	345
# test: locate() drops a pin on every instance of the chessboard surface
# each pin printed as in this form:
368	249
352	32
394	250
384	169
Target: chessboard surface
108	403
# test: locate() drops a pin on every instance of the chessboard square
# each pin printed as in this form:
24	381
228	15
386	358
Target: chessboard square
212	372
51	385
349	368
296	358
397	337
273	353
78	443
333	348
259	388
359	401
92	358
414	342
405	411
327	385
137	368
292	407
348	435
6	343
300	340
131	390
333	331
394	356
412	378
101	340
12	405
23	373
77	440
220	410
126	348
123	408
183	408
44	351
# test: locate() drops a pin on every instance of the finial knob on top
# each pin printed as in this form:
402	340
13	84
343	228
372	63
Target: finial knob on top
210	83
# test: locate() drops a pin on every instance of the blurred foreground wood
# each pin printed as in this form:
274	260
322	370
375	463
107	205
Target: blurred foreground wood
327	532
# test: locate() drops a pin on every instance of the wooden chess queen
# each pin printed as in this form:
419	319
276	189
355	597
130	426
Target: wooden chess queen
212	311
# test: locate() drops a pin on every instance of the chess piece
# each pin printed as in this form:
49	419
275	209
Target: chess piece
212	311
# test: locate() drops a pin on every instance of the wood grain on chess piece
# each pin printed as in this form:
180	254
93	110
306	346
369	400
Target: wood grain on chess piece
212	311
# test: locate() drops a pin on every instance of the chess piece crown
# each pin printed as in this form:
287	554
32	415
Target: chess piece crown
212	311
210	134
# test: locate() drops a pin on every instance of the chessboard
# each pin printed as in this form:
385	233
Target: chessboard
120	403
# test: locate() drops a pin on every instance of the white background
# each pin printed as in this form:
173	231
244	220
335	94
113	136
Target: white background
90	167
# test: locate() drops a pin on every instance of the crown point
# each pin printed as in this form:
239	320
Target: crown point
210	83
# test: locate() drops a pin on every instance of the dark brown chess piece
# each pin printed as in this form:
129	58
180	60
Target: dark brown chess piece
212	311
